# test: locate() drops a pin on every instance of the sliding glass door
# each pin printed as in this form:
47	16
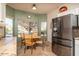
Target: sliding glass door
9	27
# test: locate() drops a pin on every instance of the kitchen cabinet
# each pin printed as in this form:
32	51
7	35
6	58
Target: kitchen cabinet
76	28
76	46
75	21
78	21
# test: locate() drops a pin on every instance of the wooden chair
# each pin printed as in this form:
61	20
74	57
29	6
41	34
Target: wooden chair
35	36
29	42
38	39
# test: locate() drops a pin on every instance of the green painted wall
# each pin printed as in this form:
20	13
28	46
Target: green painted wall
17	15
9	12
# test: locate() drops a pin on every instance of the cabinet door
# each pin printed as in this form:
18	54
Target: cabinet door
74	21
78	20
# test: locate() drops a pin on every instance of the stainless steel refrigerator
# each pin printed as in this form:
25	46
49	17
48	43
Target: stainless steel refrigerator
63	43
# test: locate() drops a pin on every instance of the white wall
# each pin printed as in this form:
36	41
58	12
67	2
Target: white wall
2	11
2	18
77	47
72	9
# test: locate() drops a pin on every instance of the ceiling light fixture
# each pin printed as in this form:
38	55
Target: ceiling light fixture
28	17
34	7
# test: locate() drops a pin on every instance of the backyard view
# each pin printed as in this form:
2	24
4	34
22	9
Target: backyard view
9	27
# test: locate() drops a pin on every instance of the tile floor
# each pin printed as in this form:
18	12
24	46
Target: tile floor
8	46
37	52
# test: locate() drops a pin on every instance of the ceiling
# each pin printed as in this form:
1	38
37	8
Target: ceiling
42	8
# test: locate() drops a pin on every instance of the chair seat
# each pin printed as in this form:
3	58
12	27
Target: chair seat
30	43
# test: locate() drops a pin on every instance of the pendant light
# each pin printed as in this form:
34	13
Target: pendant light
34	7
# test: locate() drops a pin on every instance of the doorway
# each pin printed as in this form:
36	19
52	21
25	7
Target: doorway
9	27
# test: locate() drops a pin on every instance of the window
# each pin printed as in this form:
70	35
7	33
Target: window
43	28
21	29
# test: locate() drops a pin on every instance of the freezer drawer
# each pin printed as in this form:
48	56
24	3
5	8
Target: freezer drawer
66	51
62	50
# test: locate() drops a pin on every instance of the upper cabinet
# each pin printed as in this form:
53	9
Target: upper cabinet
75	21
78	21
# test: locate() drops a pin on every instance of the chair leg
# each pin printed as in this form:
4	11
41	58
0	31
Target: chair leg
25	49
31	49
43	46
34	46
21	44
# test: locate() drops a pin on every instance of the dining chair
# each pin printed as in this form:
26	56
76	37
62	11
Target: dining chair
29	43
38	40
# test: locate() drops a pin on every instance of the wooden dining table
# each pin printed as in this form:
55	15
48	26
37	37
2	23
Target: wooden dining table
36	38
32	38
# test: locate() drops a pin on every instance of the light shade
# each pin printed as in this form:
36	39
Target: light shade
29	16
34	7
